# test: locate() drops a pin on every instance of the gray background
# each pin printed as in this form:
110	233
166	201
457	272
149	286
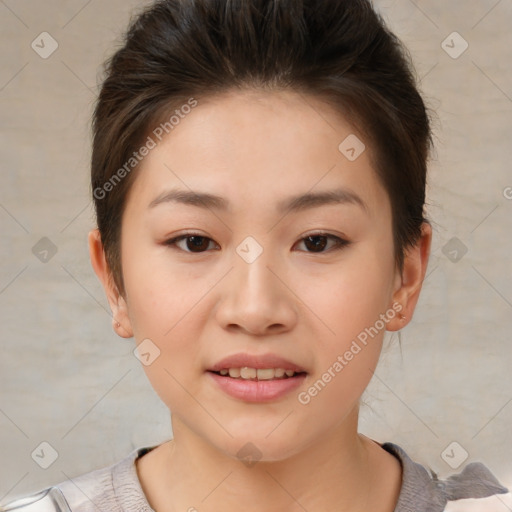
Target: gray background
68	380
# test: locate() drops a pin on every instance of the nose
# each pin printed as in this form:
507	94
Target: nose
256	299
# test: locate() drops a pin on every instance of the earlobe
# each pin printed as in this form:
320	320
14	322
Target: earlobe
120	319
410	281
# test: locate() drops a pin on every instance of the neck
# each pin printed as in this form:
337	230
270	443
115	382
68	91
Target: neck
334	473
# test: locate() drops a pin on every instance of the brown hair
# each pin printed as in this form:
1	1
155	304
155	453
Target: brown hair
339	50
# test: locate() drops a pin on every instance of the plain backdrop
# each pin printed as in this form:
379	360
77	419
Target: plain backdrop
68	380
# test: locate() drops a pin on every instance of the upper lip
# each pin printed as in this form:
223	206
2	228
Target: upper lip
242	360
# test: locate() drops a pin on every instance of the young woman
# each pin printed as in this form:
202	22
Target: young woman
258	172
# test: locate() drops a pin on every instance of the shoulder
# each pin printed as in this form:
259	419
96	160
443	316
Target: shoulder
115	488
474	489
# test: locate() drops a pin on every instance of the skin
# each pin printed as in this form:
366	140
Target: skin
256	149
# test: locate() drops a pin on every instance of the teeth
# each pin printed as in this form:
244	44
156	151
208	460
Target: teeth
259	374
265	374
248	373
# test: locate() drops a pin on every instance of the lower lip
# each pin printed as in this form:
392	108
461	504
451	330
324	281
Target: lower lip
257	390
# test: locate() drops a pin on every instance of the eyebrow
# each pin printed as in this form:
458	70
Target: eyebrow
296	203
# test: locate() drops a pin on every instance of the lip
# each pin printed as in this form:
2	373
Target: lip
262	361
256	390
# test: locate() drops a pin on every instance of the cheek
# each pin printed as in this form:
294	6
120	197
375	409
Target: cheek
166	315
350	342
166	304
350	296
350	304
159	294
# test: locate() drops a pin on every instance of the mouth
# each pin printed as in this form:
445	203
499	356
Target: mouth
261	378
258	374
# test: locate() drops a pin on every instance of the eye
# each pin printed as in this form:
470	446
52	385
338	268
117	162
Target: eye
318	241
315	243
194	242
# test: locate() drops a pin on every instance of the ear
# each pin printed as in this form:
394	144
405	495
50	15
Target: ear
408	283
120	319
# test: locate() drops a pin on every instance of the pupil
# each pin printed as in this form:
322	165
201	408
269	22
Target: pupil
319	244
196	242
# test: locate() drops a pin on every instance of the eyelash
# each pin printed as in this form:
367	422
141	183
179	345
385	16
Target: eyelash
340	243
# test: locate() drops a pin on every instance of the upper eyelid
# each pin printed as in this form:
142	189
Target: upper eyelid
194	233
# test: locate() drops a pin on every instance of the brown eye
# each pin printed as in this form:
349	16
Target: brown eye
197	243
193	243
316	243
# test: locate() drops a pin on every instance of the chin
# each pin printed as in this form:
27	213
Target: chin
259	447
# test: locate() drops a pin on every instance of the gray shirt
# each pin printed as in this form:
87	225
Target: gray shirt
117	488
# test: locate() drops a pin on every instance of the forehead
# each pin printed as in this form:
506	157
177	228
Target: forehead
260	147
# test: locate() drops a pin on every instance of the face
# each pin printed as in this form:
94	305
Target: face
258	275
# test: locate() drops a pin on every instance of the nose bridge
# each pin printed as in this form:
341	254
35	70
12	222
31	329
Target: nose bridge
254	298
254	279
